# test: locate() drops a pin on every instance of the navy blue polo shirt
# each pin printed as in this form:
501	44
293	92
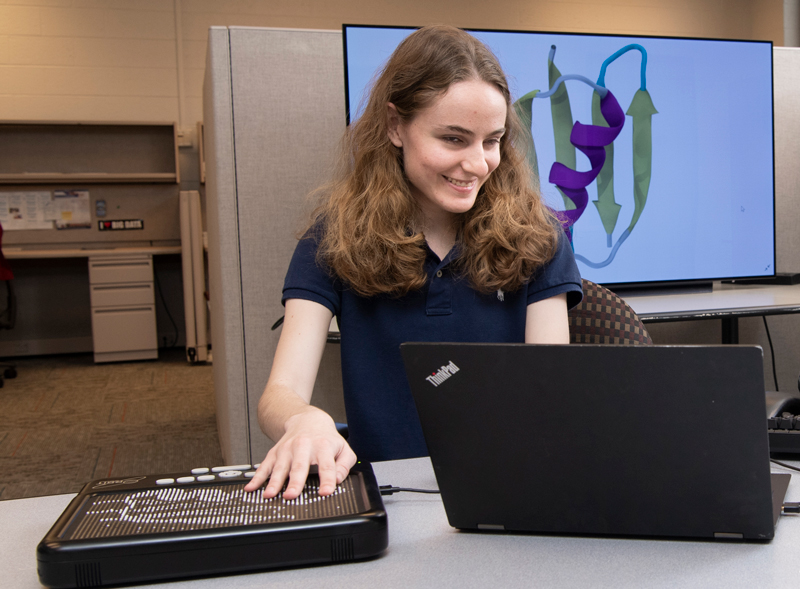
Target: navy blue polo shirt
381	415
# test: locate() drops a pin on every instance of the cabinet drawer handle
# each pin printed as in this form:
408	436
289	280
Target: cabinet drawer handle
123	310
123	287
118	264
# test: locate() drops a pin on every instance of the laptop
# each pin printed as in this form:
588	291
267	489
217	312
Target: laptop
645	441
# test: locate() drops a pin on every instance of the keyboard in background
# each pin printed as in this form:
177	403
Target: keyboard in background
783	423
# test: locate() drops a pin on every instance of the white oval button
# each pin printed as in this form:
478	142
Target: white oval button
231	467
229	474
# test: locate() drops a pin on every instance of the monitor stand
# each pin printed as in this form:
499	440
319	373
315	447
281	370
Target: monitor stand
778	279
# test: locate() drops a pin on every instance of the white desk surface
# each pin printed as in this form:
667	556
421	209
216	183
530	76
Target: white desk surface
19	253
424	551
724	300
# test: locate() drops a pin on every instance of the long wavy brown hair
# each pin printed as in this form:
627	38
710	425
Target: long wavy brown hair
368	212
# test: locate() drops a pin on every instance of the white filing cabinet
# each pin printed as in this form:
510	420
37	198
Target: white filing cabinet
123	308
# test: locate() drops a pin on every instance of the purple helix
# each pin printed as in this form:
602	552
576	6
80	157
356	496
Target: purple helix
591	140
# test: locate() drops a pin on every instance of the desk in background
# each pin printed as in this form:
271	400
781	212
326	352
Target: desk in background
727	302
424	551
122	296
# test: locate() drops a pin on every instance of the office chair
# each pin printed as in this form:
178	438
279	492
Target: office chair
8	316
602	317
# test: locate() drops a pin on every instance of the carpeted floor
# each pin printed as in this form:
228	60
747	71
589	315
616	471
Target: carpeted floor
65	421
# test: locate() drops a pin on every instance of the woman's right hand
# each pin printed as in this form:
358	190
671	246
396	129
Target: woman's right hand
310	438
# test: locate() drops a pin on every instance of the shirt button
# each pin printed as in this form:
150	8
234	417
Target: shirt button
439	274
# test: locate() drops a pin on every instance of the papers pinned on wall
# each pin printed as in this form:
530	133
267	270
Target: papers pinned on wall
26	210
73	209
62	209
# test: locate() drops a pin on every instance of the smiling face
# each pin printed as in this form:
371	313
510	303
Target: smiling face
451	147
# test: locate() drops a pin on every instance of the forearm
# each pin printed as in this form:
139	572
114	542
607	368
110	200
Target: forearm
294	367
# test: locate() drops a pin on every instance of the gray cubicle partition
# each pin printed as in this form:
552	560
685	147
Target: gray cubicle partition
273	114
786	84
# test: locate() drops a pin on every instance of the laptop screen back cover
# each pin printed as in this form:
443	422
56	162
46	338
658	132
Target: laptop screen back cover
660	441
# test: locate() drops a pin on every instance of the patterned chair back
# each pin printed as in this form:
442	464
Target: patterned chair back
604	318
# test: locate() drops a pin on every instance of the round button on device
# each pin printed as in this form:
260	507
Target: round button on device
200	471
185	479
204	478
165	481
229	474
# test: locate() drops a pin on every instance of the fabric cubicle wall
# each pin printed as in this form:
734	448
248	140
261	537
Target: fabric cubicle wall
786	84
273	114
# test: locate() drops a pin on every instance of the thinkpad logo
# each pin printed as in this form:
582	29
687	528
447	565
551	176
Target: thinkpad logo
443	374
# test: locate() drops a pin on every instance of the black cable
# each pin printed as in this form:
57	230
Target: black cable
771	352
164	303
390	490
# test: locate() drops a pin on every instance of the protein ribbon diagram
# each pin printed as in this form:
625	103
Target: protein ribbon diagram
596	142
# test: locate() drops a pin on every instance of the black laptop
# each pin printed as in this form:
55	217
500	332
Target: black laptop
646	441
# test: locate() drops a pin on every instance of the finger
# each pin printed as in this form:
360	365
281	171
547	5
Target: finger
280	471
297	478
291	464
262	474
326	467
344	462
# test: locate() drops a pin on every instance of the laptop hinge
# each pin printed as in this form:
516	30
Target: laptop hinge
728	536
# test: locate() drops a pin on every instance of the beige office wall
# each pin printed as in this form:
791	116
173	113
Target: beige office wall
767	19
143	60
87	60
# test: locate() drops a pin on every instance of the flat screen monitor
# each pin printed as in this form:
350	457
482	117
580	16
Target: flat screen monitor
684	189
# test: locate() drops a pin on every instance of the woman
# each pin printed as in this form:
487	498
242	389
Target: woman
430	231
